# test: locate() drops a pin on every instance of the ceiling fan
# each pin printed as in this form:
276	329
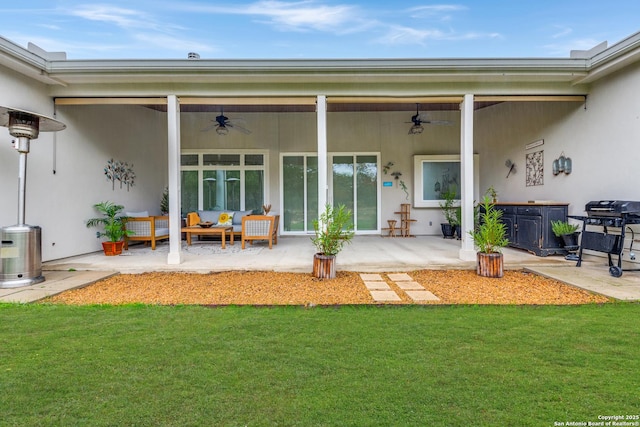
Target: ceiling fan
222	124
419	118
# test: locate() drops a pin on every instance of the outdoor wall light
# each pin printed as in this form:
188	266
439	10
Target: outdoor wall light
562	164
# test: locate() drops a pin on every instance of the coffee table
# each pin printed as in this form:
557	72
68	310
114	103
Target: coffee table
197	230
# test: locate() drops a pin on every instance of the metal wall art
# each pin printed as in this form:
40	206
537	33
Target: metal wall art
120	171
535	168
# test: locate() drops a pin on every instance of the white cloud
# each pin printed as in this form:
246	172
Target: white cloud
562	32
440	11
129	19
304	15
408	35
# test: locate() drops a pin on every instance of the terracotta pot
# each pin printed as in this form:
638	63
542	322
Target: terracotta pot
490	264
112	248
324	266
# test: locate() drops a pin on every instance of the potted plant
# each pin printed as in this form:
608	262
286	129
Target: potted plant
164	202
113	225
333	229
569	234
490	237
492	193
449	209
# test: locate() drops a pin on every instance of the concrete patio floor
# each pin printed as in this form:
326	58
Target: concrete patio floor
295	254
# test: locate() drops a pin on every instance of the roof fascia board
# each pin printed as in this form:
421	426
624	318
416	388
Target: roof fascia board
613	59
25	62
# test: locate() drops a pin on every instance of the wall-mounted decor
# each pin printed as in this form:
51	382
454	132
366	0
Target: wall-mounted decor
120	171
436	175
512	167
535	168
562	164
534	144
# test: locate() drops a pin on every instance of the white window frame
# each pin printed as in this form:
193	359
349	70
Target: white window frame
200	168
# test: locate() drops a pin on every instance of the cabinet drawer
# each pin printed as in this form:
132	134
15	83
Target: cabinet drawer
530	210
506	209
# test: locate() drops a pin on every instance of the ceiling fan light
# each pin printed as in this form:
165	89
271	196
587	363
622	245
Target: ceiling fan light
416	129
222	130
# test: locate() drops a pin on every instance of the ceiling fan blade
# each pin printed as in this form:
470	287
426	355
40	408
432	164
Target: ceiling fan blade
238	128
438	122
208	128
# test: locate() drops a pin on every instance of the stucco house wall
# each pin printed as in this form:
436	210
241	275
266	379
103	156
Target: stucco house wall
18	91
94	135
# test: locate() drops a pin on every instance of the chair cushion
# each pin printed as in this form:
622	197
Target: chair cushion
141	214
162	232
225	218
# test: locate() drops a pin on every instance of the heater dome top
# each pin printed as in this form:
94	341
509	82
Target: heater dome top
47	124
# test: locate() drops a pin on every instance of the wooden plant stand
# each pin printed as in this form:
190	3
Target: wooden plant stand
405	223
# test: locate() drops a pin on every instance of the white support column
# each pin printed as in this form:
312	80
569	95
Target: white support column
467	250
173	142
321	111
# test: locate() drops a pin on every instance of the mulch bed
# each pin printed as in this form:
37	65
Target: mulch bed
275	288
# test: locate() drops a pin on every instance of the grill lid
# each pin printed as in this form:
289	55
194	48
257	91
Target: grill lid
612	207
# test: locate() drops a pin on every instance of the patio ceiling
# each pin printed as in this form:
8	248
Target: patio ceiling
307	104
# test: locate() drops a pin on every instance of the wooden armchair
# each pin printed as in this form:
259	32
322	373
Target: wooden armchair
260	227
146	229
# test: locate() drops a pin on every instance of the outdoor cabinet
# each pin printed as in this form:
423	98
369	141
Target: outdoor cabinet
529	226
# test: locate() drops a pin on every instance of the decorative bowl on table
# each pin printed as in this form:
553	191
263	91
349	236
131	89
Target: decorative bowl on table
206	224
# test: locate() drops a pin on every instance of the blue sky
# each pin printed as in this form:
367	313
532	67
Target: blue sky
309	29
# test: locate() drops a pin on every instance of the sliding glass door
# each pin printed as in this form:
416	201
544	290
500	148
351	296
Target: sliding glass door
353	181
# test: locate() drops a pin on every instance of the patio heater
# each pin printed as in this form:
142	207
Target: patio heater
21	247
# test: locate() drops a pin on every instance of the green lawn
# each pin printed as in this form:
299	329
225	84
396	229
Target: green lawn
359	366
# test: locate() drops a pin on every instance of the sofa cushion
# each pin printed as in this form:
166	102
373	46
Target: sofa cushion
142	214
225	218
211	216
214	215
237	218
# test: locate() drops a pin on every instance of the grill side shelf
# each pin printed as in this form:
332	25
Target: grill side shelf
601	242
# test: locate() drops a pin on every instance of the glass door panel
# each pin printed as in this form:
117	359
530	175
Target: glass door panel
367	192
293	193
254	190
312	191
189	192
342	182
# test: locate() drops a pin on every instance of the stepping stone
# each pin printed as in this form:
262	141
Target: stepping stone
400	277
410	286
377	285
385	296
371	277
422	296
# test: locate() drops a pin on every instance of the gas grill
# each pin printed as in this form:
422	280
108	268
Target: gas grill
608	214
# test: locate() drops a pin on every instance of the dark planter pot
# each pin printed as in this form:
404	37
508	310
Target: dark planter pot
112	248
324	266
448	230
571	241
571	245
490	264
